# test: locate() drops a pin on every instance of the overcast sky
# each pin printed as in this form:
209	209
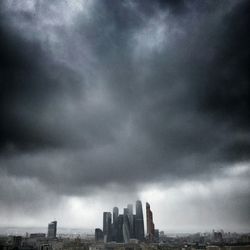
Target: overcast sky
106	102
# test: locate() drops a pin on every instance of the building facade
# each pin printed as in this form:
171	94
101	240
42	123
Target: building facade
150	223
107	232
52	229
139	223
98	235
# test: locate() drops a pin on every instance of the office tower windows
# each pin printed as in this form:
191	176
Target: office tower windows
52	228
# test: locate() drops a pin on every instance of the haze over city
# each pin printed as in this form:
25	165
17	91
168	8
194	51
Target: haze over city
107	102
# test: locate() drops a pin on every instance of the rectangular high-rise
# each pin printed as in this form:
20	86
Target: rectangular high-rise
139	223
120	229
98	235
150	223
52	228
107	232
115	223
126	226
131	220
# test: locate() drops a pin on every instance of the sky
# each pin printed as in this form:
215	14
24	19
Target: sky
106	102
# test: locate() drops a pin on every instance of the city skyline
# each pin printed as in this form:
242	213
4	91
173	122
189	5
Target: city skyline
117	234
108	233
108	102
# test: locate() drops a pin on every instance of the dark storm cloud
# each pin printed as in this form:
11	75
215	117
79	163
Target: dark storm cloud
31	83
208	80
175	91
132	92
39	95
228	95
225	89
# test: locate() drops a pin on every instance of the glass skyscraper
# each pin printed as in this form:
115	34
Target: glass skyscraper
126	226
139	224
131	220
107	232
150	223
115	224
52	228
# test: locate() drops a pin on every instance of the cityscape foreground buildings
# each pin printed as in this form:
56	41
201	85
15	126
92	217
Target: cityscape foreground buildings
215	240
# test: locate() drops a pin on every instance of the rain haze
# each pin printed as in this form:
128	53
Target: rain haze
106	102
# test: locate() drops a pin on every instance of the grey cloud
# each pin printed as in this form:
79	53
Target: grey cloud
164	106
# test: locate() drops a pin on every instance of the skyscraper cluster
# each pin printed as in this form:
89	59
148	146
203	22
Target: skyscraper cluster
126	226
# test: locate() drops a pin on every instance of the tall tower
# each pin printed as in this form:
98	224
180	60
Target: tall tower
150	223
52	228
120	229
126	226
98	234
139	224
115	214
131	220
115	223
107	233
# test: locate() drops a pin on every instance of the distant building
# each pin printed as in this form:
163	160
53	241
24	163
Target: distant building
162	236
98	234
115	223
150	223
217	236
17	241
156	236
126	226
107	232
52	229
38	235
131	220
115	214
134	219
139	223
245	238
119	238
161	233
